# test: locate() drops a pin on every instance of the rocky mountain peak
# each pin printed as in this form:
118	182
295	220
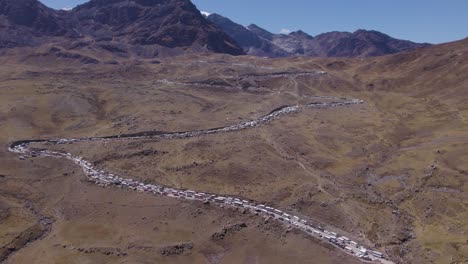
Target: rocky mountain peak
261	32
168	23
300	34
242	35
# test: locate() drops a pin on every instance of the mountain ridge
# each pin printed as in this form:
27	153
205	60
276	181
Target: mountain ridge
159	28
148	26
361	43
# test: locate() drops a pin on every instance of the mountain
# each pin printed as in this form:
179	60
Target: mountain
168	23
150	28
295	43
25	22
261	32
30	13
144	27
253	42
362	43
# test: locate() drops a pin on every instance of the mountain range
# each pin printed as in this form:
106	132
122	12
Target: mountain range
141	27
159	28
361	43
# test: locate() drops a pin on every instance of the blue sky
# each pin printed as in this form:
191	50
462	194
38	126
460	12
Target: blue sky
433	21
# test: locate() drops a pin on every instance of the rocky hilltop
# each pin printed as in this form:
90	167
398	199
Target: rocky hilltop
141	27
362	43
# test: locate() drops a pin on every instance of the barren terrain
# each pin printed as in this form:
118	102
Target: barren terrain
391	172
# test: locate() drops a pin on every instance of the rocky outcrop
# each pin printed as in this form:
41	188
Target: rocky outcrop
178	249
107	251
230	230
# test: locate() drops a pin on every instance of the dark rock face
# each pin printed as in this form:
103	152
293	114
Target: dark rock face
258	41
164	23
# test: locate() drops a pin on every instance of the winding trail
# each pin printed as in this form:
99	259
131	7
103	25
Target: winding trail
103	178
